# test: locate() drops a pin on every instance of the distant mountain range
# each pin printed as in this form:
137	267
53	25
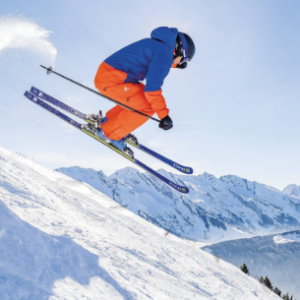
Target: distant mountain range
216	209
275	256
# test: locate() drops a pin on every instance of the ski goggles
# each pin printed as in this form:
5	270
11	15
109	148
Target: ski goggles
182	49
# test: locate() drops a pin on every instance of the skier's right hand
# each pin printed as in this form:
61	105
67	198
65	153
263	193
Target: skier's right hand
166	123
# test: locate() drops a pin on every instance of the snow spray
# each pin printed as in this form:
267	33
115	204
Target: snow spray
18	33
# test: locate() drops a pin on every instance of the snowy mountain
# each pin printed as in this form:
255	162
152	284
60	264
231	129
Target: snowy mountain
275	256
62	239
215	210
292	190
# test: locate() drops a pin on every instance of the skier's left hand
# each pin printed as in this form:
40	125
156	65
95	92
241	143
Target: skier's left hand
166	123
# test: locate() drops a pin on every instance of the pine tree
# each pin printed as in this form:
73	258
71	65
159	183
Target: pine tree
261	279
277	291
245	269
286	297
268	283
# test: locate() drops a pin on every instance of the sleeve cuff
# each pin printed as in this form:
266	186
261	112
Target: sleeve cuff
158	103
163	113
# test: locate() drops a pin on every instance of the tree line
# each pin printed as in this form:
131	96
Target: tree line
267	282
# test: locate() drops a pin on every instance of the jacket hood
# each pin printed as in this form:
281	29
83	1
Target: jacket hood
166	35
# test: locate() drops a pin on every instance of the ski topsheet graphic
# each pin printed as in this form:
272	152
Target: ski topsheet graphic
85	117
37	99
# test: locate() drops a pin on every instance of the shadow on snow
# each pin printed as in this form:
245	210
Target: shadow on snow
32	260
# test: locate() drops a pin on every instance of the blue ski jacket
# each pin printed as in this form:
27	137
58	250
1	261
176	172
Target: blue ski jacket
149	58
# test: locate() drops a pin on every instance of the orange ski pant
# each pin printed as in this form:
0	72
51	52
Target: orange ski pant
121	121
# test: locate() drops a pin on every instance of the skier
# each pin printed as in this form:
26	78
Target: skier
119	76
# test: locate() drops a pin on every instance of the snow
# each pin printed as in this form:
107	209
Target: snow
216	209
287	238
19	33
276	256
63	239
292	190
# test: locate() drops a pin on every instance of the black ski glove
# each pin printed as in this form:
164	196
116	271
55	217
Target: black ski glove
182	66
166	123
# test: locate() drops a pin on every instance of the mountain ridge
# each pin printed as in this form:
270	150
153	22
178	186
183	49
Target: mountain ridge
216	209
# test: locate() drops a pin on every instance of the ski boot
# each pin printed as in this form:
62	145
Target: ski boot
94	126
120	144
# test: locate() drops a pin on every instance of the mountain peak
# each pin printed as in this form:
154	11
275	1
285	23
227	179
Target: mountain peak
292	190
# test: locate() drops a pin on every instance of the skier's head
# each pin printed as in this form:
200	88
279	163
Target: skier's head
184	48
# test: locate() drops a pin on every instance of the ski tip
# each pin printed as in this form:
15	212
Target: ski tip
184	190
189	171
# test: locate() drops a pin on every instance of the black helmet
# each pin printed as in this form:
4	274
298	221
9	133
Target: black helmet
184	47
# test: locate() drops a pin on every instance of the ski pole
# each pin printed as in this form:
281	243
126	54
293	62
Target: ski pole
50	70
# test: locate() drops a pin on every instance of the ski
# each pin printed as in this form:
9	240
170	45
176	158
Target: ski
33	98
86	117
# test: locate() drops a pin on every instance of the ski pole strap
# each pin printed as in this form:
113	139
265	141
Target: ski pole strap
50	70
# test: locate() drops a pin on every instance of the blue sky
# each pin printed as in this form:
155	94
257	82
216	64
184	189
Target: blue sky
235	108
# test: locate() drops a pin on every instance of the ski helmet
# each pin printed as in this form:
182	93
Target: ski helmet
184	47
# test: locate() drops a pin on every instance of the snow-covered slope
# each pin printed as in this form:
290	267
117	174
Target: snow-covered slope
215	210
275	256
61	239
